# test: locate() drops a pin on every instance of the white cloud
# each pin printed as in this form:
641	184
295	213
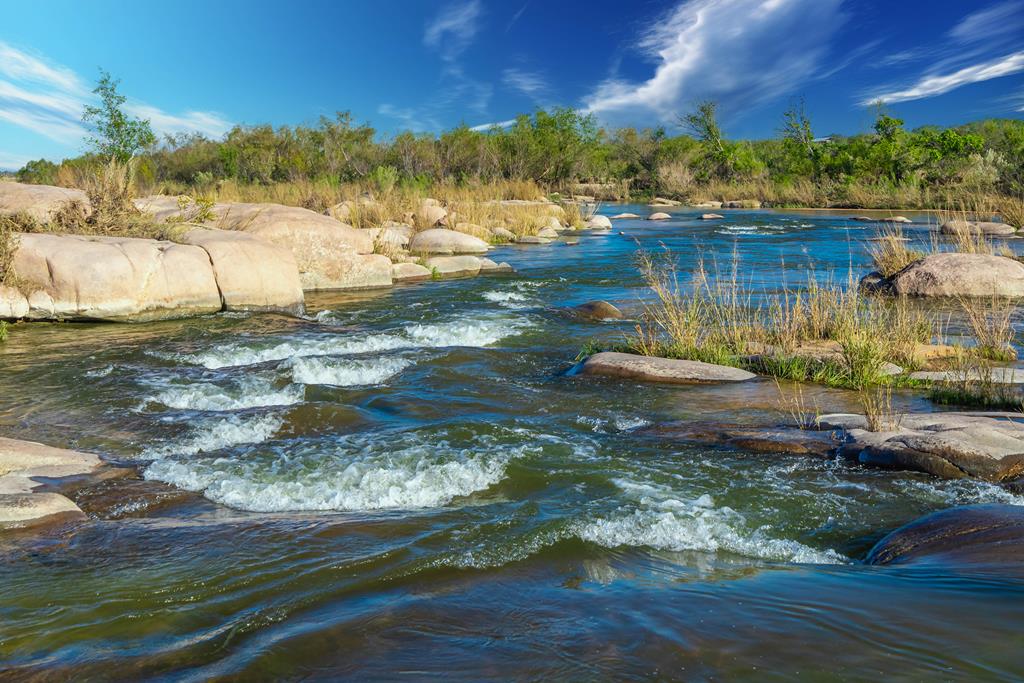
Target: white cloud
738	52
931	85
488	126
47	99
454	29
1005	20
529	83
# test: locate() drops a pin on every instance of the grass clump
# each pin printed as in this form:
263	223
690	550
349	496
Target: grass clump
825	333
972	382
890	253
990	323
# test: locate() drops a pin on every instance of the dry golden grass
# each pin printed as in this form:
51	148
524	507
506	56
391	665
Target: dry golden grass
890	253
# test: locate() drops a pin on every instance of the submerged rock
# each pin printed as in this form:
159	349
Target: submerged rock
711	216
659	216
597	310
668	370
446	242
491	268
783	440
972	534
895	219
533	239
624	216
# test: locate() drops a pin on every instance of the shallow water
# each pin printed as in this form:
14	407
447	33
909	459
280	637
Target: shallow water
412	483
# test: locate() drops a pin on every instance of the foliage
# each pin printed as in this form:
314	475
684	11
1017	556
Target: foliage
39	172
115	135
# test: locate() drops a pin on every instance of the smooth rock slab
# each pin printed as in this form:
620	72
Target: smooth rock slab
949	445
972	534
409	272
38	201
454	266
667	370
998	375
446	242
252	275
76	277
20	463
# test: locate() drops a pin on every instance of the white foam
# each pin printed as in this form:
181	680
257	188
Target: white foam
357	472
218	433
662	521
250	393
505	299
458	332
346	372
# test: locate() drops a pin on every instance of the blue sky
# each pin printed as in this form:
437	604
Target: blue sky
426	66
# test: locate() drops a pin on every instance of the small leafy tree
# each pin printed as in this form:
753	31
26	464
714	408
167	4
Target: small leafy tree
115	135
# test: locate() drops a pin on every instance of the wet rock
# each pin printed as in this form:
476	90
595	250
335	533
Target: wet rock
21	463
492	268
711	216
667	370
659	216
39	202
956	227
955	274
533	239
781	440
600	223
443	241
974	534
454	266
252	275
624	216
949	445
76	277
409	272
894	219
597	310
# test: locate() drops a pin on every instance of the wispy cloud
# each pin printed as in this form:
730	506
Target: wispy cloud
995	23
48	99
739	52
497	124
450	33
454	29
937	84
530	83
977	48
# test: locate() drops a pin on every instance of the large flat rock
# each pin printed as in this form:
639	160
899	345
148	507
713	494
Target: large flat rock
77	277
38	201
445	242
252	275
999	375
667	370
949	445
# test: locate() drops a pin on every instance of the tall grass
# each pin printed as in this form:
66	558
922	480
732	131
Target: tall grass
825	332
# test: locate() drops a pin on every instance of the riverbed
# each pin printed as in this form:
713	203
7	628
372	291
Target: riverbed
413	483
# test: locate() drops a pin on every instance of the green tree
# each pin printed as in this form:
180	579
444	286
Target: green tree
115	134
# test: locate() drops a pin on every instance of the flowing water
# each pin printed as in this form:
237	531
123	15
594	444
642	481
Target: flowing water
412	484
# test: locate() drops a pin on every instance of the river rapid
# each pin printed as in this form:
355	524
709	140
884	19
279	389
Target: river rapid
412	484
